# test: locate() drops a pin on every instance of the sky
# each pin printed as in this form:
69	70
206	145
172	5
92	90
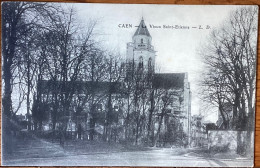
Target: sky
177	48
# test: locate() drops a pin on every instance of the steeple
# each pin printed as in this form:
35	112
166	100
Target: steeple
142	29
140	50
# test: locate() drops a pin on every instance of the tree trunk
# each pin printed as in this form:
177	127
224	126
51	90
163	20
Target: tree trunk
250	131
28	93
220	107
9	43
108	119
235	109
127	118
92	122
150	118
7	101
137	131
159	128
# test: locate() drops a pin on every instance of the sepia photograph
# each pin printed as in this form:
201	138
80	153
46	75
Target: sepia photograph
91	84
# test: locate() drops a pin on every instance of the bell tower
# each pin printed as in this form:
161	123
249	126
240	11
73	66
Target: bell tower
140	50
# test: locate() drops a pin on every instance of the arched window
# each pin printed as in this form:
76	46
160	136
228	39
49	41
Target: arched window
140	62
150	62
142	41
140	59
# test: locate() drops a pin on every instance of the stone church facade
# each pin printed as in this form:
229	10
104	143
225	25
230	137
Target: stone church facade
141	52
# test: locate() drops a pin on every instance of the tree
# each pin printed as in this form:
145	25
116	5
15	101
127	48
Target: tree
164	108
67	50
15	25
114	76
18	19
230	58
216	91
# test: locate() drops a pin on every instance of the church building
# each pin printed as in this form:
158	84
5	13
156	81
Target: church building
141	52
142	107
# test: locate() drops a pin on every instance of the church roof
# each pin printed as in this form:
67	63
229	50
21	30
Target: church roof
142	29
80	86
161	81
169	80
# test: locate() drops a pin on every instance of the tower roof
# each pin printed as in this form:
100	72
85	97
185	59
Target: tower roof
142	29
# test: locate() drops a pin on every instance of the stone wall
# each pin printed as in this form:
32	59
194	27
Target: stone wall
225	141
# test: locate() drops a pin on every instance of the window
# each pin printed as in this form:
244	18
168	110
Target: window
141	59
150	62
99	107
140	62
142	41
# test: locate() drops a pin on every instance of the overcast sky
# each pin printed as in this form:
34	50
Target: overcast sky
177	49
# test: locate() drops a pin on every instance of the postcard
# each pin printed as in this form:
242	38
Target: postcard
128	84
